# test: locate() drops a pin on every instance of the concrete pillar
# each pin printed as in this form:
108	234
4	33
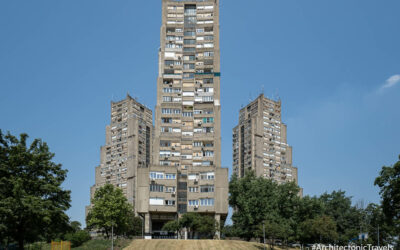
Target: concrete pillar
218	221
147	224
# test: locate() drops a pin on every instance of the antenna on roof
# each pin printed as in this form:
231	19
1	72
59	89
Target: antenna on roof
262	89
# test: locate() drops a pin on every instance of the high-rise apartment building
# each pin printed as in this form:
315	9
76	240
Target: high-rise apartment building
260	142
127	148
186	173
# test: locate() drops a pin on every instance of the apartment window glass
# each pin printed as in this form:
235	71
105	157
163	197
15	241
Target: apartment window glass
207	202
207	189
170	176
156	188
189	41
193	203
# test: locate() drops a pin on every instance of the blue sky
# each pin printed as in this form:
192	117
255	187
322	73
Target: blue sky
334	64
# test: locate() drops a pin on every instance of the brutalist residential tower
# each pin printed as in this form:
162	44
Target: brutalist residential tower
260	142
186	174
127	148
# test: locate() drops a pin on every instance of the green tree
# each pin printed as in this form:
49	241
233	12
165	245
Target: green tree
135	226
203	226
256	199
78	237
173	226
32	202
75	226
110	209
377	221
389	183
321	229
347	217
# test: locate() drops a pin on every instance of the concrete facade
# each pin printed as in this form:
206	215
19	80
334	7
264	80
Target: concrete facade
127	149
260	142
186	174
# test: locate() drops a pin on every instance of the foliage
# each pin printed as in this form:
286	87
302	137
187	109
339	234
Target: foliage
172	226
75	226
32	202
389	183
321	229
110	208
203	226
257	200
78	238
347	217
135	226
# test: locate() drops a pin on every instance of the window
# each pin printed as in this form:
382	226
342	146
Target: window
192	177
189	58
190	20
207	202
209	38
193	189
208	99
167	98
166	111
170	203
166	120
208	80
156	188
170	176
187	114
207	176
188	76
208	120
200	30
189	41
167	90
193	203
208	153
207	189
170	189
156	201
189	49
190	33
165	143
188	66
166	129
197	144
156	175
190	9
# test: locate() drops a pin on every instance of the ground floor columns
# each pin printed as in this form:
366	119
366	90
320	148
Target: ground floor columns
218	223
147	224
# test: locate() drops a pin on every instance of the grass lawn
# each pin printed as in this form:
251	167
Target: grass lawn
195	245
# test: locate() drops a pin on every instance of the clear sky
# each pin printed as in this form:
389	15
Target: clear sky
334	64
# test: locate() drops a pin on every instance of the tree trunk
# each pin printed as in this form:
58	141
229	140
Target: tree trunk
21	242
20	236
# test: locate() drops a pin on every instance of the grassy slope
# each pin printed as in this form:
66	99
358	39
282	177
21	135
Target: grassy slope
194	245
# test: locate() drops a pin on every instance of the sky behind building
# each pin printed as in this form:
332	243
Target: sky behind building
334	64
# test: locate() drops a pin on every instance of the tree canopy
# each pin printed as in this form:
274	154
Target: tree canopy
260	203
110	208
389	183
197	225
32	201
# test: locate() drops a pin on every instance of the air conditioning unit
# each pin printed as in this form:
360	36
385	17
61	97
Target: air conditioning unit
152	179
173	193
196	180
196	206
